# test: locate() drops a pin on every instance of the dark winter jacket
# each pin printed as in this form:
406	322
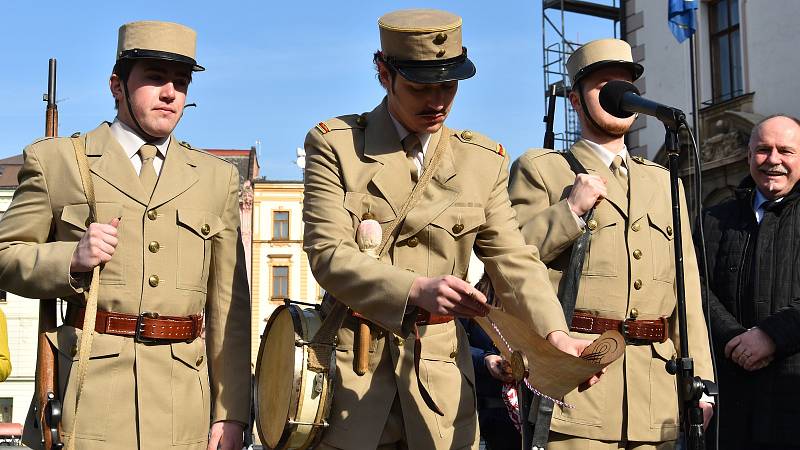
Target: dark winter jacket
754	278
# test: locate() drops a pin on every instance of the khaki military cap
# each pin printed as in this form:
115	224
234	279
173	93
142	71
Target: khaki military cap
150	39
424	45
601	53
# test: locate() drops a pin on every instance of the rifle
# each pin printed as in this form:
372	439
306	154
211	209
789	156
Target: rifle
549	136
47	403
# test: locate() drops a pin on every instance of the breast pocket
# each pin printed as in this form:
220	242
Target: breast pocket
663	247
452	236
74	221
602	253
196	230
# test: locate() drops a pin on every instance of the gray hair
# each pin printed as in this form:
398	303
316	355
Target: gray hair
754	133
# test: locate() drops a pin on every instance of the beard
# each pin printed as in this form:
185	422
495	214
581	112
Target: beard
616	129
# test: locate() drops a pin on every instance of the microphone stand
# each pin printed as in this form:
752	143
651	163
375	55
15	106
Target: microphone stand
690	387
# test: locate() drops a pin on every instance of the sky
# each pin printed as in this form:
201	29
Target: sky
273	69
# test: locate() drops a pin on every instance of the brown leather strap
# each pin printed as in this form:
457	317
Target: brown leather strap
147	327
423	318
643	330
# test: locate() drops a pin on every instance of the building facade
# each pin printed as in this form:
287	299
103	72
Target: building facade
280	266
744	63
22	315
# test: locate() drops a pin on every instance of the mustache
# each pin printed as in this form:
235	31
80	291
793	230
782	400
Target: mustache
779	168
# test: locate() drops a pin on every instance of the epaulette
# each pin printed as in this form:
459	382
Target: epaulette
347	122
534	153
647	162
474	138
41	139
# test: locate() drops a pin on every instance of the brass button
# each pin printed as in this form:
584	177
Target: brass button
592	224
466	135
398	341
152	214
458	228
199	360
637	284
635	226
153	280
453	354
440	53
637	254
154	247
669	230
440	39
362	120
413	241
634	313
205	229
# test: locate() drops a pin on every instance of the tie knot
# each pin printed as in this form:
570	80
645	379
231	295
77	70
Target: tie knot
411	144
147	152
617	163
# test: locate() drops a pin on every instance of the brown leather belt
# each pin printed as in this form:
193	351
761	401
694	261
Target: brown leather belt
423	318
146	327
631	329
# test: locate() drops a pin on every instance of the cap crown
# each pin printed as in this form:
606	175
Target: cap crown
420	35
599	53
169	40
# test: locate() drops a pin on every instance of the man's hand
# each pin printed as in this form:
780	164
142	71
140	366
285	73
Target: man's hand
574	347
95	247
226	435
708	411
587	191
498	368
447	296
752	350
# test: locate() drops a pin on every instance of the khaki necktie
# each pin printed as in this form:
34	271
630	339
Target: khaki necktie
148	176
413	149
621	176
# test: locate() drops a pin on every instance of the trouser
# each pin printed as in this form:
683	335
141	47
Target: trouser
394	435
560	441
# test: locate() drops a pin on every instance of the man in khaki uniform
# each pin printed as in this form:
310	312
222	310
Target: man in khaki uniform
629	270
357	169
167	236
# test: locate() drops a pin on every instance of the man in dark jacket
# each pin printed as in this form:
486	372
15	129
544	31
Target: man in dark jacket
753	245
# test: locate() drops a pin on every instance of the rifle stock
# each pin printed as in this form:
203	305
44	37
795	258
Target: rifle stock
48	405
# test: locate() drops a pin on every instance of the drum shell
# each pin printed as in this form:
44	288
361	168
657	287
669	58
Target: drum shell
292	402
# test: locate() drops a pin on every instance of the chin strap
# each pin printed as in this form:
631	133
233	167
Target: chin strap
583	106
143	134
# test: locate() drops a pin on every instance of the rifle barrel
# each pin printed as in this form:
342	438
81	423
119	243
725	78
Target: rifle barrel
51	115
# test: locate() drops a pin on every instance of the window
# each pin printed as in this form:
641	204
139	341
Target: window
6	407
726	50
280	225
280	282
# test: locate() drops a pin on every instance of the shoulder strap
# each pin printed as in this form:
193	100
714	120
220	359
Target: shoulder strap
322	344
85	347
569	296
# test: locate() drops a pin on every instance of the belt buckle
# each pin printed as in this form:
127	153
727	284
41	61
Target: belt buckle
623	328
140	328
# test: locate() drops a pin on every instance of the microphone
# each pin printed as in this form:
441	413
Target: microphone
621	99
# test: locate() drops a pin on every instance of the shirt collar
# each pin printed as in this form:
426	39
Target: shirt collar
424	138
605	154
131	142
759	200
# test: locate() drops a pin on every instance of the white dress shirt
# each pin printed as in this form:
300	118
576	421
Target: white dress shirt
131	143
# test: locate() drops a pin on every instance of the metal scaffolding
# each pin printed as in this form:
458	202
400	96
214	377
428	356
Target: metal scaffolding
556	49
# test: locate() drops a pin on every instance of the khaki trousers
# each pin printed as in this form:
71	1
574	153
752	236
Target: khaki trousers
560	441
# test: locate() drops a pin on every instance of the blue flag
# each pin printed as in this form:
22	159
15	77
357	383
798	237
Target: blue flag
681	18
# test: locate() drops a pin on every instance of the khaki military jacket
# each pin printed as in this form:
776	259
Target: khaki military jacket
356	164
159	395
629	271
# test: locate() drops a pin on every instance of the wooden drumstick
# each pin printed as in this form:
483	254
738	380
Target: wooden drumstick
368	237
